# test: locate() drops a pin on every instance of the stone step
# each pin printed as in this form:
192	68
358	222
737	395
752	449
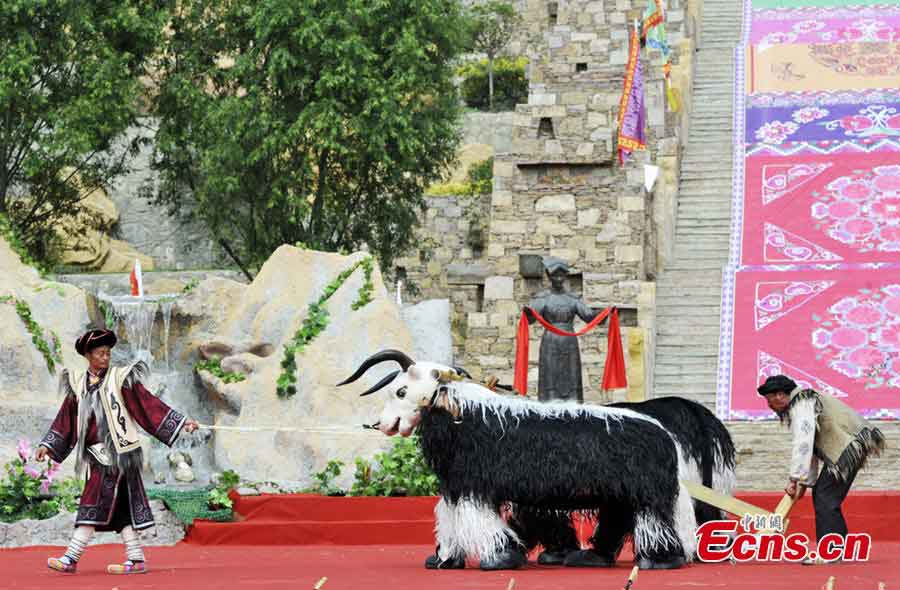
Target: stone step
703	224
697	213
690	300
673	365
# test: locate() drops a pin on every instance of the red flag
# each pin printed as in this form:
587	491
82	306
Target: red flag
137	287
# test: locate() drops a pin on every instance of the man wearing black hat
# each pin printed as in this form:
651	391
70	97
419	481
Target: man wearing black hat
99	418
824	428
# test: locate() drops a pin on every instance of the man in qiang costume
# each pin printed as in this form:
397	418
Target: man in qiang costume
99	419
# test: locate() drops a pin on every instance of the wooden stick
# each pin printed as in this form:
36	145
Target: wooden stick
829	585
632	577
512	584
726	503
785	505
320	583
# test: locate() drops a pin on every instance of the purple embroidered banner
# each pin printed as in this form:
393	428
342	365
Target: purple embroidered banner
884	28
776	126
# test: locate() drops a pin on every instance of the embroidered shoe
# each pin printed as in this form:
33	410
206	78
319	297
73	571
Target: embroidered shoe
62	564
129	567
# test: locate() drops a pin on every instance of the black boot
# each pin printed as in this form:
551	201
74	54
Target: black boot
434	562
589	558
554	556
672	563
512	558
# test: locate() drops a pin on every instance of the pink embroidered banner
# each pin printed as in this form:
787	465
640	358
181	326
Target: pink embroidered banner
809	209
837	331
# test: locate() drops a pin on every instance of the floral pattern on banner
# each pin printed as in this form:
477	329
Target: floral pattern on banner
872	121
770	366
862	210
781	179
817	124
860	30
776	132
775	300
783	246
860	337
858	59
813	98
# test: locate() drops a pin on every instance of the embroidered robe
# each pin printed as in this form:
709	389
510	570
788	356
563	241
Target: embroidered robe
105	486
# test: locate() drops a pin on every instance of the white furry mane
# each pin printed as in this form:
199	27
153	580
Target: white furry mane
477	398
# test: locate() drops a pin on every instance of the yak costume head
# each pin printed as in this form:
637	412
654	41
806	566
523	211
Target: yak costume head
411	389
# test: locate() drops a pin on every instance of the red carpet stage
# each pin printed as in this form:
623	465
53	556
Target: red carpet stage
316	520
399	567
292	541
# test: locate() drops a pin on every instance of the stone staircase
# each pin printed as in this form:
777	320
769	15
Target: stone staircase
689	290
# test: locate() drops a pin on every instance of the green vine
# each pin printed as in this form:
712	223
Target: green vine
8	233
109	316
316	321
50	350
214	366
365	292
190	286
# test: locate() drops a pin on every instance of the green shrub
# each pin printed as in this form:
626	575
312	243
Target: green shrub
31	490
214	366
510	83
402	471
325	480
481	177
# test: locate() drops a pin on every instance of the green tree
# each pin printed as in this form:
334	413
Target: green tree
69	88
318	122
493	24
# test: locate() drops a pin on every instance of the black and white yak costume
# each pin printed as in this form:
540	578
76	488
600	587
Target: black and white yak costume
490	451
710	454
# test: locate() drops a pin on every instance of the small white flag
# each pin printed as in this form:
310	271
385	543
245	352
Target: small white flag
650	174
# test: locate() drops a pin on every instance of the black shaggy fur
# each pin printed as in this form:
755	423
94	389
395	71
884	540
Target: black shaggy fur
702	436
700	433
557	464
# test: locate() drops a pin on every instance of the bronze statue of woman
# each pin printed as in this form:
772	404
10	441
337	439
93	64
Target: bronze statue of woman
559	365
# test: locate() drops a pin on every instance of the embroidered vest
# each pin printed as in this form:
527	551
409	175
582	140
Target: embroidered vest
844	439
125	435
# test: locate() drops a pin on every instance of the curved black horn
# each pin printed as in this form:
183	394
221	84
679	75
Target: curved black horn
379	357
462	372
384	381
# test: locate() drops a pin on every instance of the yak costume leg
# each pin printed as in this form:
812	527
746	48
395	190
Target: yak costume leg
549	528
666	542
447	555
473	528
613	528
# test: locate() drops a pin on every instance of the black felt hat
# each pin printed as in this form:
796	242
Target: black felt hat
775	384
94	338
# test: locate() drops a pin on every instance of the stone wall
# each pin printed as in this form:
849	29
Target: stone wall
764	450
174	244
448	262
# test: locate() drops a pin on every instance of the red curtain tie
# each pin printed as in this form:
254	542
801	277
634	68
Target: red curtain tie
614	369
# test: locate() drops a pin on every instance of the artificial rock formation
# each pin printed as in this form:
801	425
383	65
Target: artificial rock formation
87	243
257	321
28	389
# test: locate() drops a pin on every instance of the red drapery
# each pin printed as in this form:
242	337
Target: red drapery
613	371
